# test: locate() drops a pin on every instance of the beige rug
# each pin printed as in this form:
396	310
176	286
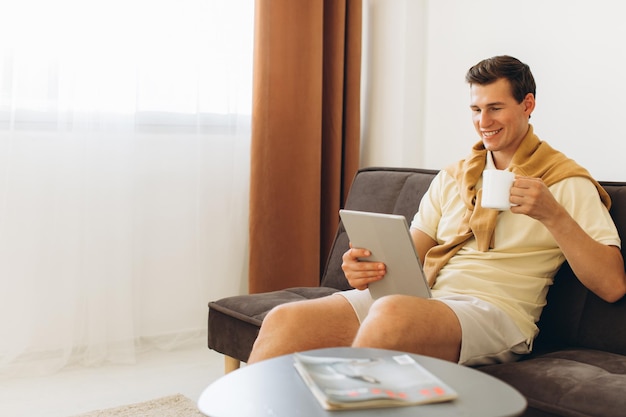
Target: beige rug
173	406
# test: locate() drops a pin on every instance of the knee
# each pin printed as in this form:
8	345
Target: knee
382	316
389	319
281	316
387	308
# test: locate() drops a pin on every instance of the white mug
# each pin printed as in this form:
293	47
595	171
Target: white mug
497	189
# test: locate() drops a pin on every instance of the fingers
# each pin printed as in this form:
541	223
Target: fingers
532	197
357	253
522	184
360	273
526	187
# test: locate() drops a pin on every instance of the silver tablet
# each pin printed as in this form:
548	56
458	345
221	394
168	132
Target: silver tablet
388	238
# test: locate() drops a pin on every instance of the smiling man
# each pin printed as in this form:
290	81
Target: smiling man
489	270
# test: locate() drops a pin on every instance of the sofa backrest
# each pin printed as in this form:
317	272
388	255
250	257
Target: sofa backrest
573	317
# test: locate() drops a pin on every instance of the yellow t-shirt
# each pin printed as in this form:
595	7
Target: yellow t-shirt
516	273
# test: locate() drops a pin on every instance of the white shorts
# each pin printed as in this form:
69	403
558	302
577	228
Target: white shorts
488	334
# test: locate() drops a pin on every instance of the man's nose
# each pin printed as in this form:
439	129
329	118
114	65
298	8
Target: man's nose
484	120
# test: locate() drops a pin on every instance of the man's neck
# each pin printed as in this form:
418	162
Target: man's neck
500	161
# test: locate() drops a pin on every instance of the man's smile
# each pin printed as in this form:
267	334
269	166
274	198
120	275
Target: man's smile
488	134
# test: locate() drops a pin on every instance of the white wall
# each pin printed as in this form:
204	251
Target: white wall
393	80
416	111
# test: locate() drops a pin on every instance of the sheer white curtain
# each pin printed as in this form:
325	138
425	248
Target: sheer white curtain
124	133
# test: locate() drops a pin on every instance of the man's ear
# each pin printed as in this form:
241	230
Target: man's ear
529	103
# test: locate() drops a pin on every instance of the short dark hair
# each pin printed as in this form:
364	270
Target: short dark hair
492	69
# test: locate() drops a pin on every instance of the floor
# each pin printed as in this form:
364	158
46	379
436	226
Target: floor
74	391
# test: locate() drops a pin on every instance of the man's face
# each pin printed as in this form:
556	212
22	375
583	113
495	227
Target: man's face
500	121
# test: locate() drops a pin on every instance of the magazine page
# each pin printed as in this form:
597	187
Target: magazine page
385	381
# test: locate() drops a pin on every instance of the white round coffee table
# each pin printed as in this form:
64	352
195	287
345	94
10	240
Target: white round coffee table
273	388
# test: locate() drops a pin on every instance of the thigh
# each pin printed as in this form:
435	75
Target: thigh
303	325
412	324
329	318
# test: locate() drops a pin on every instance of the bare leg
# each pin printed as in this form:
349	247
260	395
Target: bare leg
304	325
409	324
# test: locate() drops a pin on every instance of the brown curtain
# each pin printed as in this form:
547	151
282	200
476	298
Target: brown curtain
305	135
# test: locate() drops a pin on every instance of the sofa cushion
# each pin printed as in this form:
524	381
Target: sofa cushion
571	382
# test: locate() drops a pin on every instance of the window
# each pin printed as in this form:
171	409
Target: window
183	64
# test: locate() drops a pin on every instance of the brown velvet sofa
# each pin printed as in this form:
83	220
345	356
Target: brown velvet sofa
578	366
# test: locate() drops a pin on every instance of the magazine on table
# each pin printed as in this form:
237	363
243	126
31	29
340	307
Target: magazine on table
383	381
